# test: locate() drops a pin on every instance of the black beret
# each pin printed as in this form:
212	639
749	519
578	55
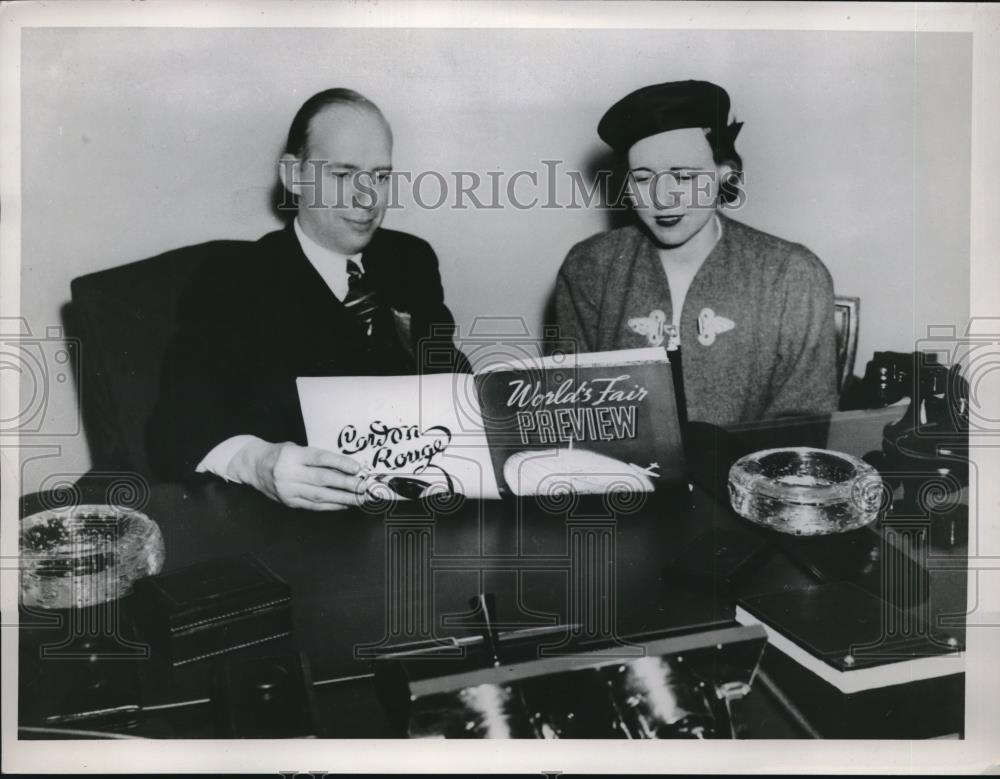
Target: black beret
662	107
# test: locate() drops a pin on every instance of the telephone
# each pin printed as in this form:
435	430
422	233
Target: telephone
926	451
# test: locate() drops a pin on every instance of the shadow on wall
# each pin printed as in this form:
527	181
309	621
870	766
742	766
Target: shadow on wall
617	214
279	201
611	203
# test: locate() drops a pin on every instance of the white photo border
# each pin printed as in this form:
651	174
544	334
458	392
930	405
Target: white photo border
978	752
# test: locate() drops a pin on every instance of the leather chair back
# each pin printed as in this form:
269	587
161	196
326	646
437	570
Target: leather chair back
125	317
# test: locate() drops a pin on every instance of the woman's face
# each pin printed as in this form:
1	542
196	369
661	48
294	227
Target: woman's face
674	184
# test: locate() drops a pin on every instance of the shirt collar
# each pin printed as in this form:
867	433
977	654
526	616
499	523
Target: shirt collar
320	256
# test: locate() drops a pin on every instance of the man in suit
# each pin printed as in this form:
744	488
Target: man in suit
332	294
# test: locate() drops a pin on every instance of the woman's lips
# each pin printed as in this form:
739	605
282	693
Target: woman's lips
668	221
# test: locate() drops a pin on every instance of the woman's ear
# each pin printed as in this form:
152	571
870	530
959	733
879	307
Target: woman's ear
730	184
723	170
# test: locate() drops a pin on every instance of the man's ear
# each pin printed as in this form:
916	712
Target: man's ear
289	168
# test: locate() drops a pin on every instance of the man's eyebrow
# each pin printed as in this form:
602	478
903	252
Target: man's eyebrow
672	167
352	166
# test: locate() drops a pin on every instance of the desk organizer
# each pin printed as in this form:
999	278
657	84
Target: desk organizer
681	684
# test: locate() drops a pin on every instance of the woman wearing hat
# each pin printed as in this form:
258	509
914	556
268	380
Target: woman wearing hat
752	313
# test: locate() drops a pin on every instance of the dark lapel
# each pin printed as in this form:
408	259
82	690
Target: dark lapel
301	279
321	334
376	260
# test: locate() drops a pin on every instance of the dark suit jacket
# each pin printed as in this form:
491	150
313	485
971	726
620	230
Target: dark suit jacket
255	318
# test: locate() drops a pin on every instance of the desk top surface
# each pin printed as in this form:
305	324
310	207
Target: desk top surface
364	580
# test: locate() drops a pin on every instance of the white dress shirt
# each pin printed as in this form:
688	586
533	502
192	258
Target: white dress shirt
332	266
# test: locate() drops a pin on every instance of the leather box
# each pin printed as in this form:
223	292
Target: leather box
212	608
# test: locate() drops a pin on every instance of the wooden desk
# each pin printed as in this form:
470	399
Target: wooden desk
588	561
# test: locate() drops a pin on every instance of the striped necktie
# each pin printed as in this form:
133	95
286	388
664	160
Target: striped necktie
361	299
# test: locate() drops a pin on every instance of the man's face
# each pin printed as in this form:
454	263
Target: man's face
674	184
349	156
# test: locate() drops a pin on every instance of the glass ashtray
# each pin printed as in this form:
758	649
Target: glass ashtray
85	555
804	491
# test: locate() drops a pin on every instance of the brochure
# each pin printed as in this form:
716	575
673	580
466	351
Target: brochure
586	423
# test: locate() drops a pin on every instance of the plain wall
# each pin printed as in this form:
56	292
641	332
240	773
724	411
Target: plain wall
136	141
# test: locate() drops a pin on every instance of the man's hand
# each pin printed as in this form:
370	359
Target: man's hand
300	476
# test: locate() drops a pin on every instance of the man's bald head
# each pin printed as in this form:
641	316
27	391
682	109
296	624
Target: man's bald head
338	166
298	133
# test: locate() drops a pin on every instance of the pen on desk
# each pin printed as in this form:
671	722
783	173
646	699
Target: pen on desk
127	709
110	712
485	603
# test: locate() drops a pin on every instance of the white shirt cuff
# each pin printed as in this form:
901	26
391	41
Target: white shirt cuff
219	459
